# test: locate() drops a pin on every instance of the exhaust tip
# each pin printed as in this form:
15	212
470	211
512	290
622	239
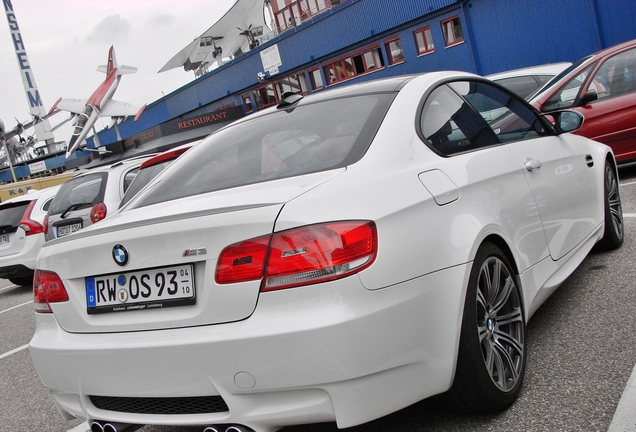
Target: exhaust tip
96	427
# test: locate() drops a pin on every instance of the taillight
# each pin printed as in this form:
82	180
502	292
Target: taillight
30	226
45	224
242	262
300	256
98	212
47	288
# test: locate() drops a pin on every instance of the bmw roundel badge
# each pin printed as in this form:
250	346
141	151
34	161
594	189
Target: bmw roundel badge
120	254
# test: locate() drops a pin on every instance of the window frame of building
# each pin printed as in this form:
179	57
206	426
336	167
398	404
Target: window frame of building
313	74
247	103
428	44
394	56
452	38
276	88
358	63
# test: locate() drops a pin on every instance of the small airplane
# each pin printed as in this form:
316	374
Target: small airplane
20	127
99	104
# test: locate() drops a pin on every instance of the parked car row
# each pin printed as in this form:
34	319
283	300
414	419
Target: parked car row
601	86
27	221
299	265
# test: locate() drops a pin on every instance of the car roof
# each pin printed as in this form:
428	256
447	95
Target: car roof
33	194
115	165
544	69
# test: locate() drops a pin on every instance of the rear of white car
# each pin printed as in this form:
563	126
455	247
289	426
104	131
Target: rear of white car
89	197
22	235
309	265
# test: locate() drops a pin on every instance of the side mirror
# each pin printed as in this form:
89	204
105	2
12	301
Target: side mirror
588	97
567	121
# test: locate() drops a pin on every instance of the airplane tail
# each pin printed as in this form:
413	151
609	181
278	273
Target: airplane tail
113	65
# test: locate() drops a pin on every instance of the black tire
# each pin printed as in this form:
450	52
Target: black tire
21	280
614	229
492	352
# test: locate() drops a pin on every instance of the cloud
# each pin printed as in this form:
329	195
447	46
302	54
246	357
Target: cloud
113	28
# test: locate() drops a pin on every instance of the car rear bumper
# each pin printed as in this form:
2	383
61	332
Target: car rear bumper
23	262
329	352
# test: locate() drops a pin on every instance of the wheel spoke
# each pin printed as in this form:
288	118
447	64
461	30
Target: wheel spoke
510	340
512	317
504	295
507	373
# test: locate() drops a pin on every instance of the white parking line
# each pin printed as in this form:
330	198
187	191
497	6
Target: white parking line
624	419
629	215
15	307
8	353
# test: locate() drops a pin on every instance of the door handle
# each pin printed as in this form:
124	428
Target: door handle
532	164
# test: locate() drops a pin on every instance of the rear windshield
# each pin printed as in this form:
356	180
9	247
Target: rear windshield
11	215
283	143
79	192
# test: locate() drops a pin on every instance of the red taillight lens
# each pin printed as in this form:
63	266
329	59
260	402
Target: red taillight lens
300	256
47	288
242	261
30	226
45	225
98	212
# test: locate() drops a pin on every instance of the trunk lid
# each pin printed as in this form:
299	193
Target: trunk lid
186	232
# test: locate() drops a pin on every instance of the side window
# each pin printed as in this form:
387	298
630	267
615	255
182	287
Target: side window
566	96
450	125
522	85
616	76
508	117
129	177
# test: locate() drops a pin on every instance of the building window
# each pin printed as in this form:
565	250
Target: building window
298	11
394	50
316	79
247	103
357	64
453	33
271	93
424	41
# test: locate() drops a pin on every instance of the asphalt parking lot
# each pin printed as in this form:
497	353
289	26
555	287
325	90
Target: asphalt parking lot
581	353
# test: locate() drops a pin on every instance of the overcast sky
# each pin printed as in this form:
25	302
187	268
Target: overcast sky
66	40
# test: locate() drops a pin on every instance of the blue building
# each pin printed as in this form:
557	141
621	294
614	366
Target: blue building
319	44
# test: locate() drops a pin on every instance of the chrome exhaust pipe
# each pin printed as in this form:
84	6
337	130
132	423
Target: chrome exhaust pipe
238	428
102	426
120	427
225	428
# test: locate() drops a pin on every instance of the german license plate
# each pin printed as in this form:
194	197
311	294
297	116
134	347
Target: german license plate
145	289
4	238
68	229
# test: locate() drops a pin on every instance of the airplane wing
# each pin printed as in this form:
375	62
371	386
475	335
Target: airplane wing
226	33
119	109
75	106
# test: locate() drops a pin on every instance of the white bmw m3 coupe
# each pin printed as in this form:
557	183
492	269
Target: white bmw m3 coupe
335	258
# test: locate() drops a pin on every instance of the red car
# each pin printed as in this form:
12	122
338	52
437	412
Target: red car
602	87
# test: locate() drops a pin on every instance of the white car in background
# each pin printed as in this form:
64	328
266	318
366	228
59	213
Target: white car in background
526	81
22	234
335	258
90	196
